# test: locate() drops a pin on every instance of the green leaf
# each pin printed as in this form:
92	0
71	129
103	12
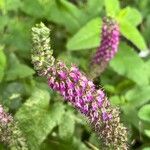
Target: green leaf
9	5
146	148
19	35
66	127
13	94
112	7
2	63
147	132
72	144
32	8
144	113
94	7
131	115
148	64
131	15
65	13
17	70
132	34
87	37
129	64
116	100
37	119
138	95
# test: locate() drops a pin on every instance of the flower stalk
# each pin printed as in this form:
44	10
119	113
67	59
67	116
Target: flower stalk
77	89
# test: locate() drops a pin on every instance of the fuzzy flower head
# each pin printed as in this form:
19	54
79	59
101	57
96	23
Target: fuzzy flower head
109	43
10	134
77	89
4	117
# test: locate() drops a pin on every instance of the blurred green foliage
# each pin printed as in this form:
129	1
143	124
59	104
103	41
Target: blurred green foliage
47	122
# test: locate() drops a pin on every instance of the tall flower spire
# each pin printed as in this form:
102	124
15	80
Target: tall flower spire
10	134
108	46
81	92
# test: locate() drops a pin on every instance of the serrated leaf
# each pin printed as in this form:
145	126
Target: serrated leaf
2	63
130	32
112	7
129	64
66	127
138	95
87	37
131	15
144	113
37	118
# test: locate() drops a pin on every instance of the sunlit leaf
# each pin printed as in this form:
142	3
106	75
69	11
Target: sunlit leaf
144	113
132	34
87	37
131	15
138	95
124	64
112	7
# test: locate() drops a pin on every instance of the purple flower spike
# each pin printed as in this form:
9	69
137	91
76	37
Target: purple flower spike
82	93
91	102
109	45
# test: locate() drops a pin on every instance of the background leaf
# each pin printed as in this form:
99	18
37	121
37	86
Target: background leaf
133	35
112	7
2	63
87	37
17	70
94	7
138	95
126	65
131	15
37	119
70	14
67	126
144	113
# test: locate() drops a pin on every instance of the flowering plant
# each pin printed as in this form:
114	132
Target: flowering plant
80	91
